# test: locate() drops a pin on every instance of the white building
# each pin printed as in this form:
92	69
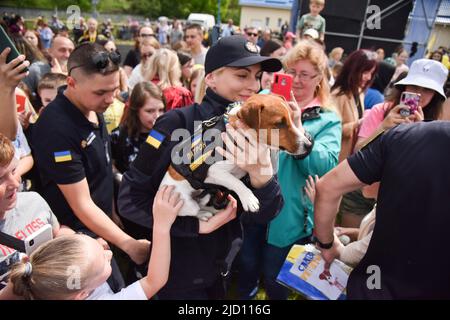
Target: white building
265	14
440	36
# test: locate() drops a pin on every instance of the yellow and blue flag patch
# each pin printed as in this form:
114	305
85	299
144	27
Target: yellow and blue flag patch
155	138
62	156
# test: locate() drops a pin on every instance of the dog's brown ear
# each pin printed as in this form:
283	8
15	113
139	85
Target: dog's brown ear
250	114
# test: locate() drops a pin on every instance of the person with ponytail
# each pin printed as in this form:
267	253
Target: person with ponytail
75	267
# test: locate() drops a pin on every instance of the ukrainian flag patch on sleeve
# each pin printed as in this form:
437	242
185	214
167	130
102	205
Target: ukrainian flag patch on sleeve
155	138
62	156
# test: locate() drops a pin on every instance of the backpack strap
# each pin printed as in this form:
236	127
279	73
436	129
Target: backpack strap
12	242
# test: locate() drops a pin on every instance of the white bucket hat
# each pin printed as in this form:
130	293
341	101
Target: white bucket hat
426	73
312	33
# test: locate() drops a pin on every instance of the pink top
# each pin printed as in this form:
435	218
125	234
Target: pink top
313	103
373	119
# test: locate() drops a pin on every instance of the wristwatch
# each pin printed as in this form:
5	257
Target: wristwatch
322	245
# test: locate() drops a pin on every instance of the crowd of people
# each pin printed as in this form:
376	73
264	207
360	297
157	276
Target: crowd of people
85	141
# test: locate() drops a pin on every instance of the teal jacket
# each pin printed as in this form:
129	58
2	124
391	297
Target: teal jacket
295	221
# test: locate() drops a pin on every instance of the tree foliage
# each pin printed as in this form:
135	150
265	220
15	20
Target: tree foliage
148	8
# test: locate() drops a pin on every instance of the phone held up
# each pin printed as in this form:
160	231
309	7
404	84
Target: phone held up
32	242
282	85
411	100
6	42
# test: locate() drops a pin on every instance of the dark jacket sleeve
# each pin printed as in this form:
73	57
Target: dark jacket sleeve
135	202
270	202
140	184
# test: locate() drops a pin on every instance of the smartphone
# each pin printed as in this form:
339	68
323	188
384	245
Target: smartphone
282	85
411	100
41	236
6	42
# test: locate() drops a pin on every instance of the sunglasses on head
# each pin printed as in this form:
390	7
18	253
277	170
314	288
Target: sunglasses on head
147	35
100	60
252	34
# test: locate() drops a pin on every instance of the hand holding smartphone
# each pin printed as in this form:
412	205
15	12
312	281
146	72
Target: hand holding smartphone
6	42
282	85
411	100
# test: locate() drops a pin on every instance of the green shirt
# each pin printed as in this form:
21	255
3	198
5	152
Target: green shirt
295	221
307	21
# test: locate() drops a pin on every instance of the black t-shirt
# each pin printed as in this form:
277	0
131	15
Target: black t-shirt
133	58
67	149
410	239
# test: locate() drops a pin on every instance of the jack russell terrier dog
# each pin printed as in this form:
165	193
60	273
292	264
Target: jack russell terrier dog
264	111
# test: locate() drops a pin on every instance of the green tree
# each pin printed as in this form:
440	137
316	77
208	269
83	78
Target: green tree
148	8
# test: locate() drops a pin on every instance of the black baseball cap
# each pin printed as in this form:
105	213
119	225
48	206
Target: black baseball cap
236	51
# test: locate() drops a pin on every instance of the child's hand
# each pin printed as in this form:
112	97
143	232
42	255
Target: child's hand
24	119
310	187
166	206
352	233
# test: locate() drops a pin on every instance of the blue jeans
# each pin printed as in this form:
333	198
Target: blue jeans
259	257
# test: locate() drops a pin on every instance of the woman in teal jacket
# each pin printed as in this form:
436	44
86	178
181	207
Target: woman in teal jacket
265	246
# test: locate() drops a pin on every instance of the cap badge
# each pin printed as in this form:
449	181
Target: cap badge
250	46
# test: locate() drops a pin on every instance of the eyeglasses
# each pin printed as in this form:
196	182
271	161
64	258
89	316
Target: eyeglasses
147	35
302	75
100	60
250	34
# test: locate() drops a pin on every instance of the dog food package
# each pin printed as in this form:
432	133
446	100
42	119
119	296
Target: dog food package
303	271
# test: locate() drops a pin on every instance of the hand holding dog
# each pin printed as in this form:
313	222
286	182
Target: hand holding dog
243	149
220	218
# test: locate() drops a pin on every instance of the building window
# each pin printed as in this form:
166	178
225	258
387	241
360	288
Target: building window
267	21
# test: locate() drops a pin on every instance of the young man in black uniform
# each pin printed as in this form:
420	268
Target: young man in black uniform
407	256
202	251
72	150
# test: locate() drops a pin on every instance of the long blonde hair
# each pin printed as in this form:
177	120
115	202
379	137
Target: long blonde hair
165	65
336	51
53	265
198	75
313	52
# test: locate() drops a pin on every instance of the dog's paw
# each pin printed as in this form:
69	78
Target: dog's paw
249	202
204	201
204	215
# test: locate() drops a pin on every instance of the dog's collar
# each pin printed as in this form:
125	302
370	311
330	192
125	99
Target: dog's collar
229	110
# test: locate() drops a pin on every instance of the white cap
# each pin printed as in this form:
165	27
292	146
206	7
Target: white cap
426	73
312	33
